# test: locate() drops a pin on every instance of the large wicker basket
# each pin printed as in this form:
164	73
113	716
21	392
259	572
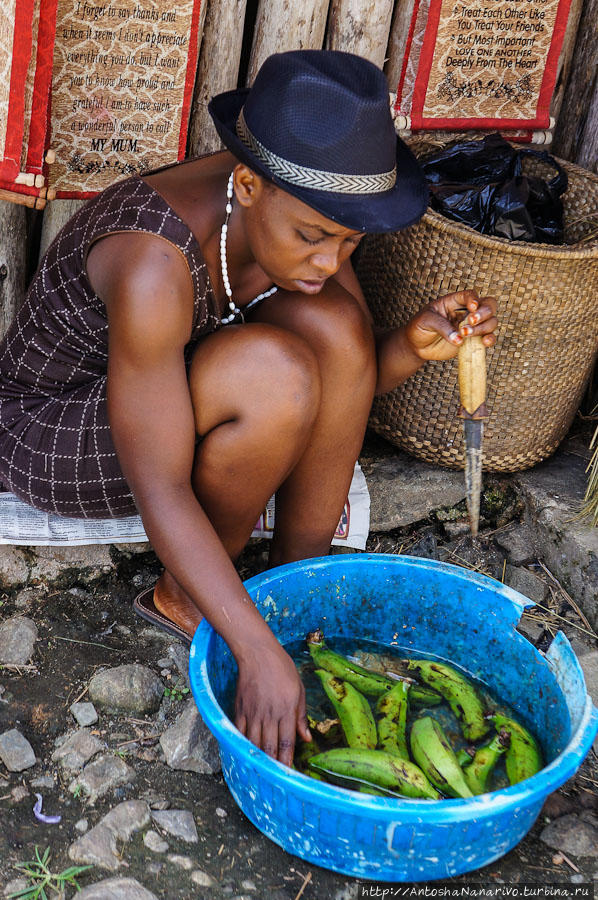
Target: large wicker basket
547	338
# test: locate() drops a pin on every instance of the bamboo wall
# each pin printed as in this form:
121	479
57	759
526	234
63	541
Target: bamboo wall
238	35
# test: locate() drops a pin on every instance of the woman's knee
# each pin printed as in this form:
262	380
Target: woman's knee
260	372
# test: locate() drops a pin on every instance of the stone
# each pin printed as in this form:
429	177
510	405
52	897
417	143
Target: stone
589	665
102	775
29	596
518	541
574	834
19	792
98	847
526	583
405	490
84	713
177	822
154	842
16	885
14	568
180	656
116	889
81	826
17	639
189	745
45	782
248	885
129	688
15	751
127	818
552	492
56	564
182	861
426	546
202	879
76	750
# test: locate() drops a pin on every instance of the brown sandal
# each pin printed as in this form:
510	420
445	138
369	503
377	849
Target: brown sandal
144	606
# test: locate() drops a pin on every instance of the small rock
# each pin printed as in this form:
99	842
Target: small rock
248	885
189	744
129	688
15	751
28	596
426	546
180	656
578	878
165	663
154	842
116	889
518	541
76	750
182	861
154	800
16	885
17	639
84	713
45	782
202	879
98	847
154	867
101	775
19	792
81	826
557	805
526	583
221	813
456	529
177	822
575	835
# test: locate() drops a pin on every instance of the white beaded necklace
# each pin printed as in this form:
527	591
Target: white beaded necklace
235	311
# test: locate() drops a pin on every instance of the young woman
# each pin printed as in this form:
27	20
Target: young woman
196	339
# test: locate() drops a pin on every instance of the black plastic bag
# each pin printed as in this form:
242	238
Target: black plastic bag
482	184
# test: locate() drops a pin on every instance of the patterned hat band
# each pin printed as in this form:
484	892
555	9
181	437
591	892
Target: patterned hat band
314	178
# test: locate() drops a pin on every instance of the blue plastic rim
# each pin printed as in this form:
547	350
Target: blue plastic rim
425	606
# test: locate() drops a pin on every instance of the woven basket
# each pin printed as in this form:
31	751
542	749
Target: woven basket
546	342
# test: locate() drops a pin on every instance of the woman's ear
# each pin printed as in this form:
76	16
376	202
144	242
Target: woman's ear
248	185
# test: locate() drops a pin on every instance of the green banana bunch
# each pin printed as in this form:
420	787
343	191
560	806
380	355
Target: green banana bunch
523	757
392	724
436	758
352	709
375	769
460	693
365	681
477	771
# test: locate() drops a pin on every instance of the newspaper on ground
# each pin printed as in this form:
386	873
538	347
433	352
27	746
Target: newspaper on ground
22	524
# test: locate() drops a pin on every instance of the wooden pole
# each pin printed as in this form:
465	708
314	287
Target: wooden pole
397	41
576	133
56	214
360	26
284	25
218	69
13	249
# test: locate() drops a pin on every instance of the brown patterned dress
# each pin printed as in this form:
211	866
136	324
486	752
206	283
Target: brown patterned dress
56	452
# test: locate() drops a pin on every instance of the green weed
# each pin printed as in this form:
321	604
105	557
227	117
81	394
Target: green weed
42	879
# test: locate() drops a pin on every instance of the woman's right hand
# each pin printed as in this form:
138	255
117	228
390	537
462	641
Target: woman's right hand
270	702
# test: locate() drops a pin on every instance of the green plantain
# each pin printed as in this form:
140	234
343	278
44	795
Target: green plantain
478	770
523	757
365	681
423	696
375	769
458	690
353	710
392	724
435	756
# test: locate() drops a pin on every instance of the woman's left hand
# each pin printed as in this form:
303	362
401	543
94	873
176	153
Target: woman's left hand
436	331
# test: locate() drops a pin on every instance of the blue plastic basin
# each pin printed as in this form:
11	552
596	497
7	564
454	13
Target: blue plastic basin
426	606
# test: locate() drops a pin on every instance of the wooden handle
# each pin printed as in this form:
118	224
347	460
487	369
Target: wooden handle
472	378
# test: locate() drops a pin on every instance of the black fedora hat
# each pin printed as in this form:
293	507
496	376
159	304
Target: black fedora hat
317	123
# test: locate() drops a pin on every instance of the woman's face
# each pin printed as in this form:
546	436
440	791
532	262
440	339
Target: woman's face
297	247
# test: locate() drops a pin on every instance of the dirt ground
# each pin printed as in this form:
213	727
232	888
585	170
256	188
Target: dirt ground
78	633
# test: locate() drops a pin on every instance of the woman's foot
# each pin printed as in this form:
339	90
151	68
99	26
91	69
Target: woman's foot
172	601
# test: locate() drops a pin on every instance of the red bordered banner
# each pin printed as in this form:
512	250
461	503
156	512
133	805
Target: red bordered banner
481	63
